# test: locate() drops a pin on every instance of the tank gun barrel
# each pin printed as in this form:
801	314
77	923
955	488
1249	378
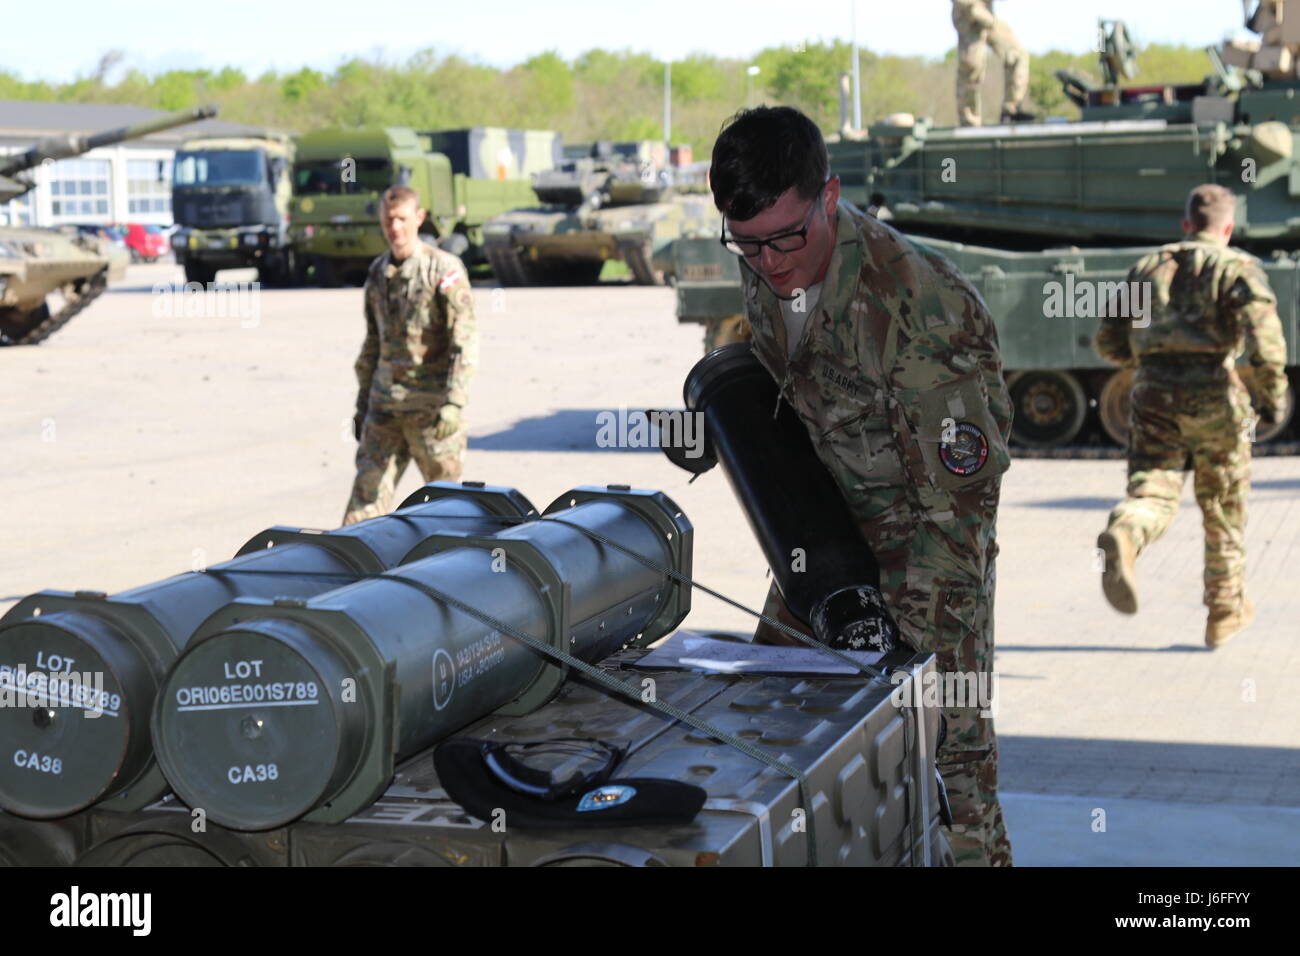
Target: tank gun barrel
63	147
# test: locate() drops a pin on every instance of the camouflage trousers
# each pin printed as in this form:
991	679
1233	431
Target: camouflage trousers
972	49
720	332
1204	428
955	622
389	440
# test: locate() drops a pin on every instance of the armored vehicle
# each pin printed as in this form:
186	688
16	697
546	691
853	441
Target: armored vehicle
1046	218
464	177
230	197
621	202
47	276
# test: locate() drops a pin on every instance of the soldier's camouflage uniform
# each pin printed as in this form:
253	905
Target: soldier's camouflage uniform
1190	409
899	381
978	29
420	353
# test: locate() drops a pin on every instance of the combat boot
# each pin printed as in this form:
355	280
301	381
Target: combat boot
1224	622
1018	115
1118	577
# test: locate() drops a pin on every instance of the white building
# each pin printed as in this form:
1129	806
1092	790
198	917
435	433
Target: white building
128	182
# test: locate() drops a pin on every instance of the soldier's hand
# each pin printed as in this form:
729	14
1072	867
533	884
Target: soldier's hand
448	422
357	421
1267	415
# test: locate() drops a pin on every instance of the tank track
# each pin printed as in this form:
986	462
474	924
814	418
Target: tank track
90	290
638	257
507	264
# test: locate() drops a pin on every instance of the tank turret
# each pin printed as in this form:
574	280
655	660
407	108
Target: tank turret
68	145
37	262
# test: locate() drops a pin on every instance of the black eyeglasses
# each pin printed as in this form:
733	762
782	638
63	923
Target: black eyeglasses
791	241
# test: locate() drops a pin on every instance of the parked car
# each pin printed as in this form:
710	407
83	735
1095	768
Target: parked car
147	243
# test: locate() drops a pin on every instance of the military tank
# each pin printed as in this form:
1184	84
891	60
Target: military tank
1046	218
47	276
621	202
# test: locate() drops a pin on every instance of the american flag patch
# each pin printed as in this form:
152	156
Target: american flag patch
449	280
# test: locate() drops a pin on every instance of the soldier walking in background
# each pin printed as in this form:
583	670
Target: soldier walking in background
1190	409
890	359
416	364
978	29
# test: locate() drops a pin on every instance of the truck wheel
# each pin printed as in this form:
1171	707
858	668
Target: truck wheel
456	243
280	272
326	276
199	272
1048	408
1114	404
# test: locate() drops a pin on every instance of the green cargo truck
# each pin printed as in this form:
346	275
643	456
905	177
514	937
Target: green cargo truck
464	177
230	197
1046	219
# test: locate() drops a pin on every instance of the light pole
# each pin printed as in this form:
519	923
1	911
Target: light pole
857	76
668	104
751	72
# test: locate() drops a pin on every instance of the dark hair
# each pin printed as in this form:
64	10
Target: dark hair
761	153
1210	206
396	195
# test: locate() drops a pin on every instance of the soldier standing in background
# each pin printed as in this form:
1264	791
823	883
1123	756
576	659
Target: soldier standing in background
1190	409
890	359
416	364
978	29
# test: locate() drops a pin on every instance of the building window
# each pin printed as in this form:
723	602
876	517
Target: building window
79	190
149	186
16	212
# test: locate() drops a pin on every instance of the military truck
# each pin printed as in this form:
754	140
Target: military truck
622	202
47	276
464	178
1045	219
230	197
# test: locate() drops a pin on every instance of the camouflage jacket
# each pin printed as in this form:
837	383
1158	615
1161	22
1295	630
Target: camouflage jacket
421	344
899	382
1206	300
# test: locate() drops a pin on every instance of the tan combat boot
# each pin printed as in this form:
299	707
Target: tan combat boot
1224	622
1118	578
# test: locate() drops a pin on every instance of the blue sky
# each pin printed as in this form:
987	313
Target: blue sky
68	37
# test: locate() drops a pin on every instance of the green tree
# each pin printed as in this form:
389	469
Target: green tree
550	83
296	87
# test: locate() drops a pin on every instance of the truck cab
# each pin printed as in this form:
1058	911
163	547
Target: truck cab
230	197
464	177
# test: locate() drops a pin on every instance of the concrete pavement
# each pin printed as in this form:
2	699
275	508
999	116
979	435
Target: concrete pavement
135	445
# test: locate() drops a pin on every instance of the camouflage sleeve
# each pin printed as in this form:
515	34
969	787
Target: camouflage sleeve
1252	301
462	334
953	413
1112	341
369	357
